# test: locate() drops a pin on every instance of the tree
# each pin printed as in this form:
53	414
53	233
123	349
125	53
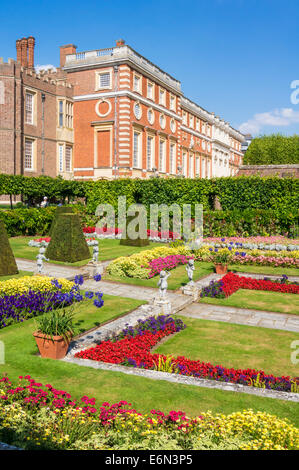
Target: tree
275	149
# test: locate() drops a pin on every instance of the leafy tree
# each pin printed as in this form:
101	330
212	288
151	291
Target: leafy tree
275	149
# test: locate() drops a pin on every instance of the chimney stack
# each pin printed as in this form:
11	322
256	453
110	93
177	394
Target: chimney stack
120	42
31	44
66	50
24	48
18	47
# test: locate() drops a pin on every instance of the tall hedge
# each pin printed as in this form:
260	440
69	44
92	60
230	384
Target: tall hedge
254	192
8	264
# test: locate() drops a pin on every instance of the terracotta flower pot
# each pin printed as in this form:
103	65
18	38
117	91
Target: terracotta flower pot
54	348
221	268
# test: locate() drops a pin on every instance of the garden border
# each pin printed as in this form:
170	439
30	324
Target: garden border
183	379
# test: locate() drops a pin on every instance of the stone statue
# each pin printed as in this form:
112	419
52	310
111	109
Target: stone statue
95	252
162	284
190	271
40	259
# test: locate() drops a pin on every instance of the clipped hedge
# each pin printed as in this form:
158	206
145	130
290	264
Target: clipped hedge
234	193
239	193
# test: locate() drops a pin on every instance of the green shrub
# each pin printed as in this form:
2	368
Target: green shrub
7	260
273	149
68	243
59	210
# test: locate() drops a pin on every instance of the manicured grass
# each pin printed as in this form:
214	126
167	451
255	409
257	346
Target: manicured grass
108	249
267	270
259	300
144	394
177	278
12	276
230	345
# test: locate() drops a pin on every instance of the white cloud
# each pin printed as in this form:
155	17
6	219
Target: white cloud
278	117
38	68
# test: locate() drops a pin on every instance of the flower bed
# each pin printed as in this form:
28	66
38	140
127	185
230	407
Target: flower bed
153	235
168	263
238	255
274	243
37	299
25	284
33	416
231	283
133	348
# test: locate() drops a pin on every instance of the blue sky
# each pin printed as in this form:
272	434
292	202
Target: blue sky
236	58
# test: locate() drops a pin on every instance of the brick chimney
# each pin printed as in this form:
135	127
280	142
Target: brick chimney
66	50
120	42
31	44
18	47
24	52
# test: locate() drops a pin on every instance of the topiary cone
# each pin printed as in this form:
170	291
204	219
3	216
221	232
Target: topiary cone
68	243
59	210
7	260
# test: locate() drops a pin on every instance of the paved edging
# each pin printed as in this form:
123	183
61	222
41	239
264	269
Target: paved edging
185	380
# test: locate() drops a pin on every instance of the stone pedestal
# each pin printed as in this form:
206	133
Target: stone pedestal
191	289
93	268
163	304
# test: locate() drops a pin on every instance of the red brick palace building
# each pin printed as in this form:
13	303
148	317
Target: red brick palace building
107	113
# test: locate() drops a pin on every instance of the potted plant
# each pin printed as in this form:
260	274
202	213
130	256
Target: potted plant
54	333
221	259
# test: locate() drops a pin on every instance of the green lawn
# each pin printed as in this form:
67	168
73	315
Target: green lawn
231	345
259	300
177	278
144	394
109	249
20	274
267	270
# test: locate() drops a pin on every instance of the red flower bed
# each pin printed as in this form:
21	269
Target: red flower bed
136	351
232	282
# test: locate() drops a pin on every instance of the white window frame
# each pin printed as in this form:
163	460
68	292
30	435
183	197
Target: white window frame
184	163
60	158
162	156
33	102
172	158
68	170
191	165
32	142
138	133
197	166
152	95
191	121
137	89
184	118
98	80
162	92
140	107
150	156
172	102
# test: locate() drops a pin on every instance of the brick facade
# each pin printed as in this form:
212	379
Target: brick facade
31	124
128	118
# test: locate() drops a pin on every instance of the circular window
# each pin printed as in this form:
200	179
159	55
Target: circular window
103	108
137	111
162	121
172	126
151	116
